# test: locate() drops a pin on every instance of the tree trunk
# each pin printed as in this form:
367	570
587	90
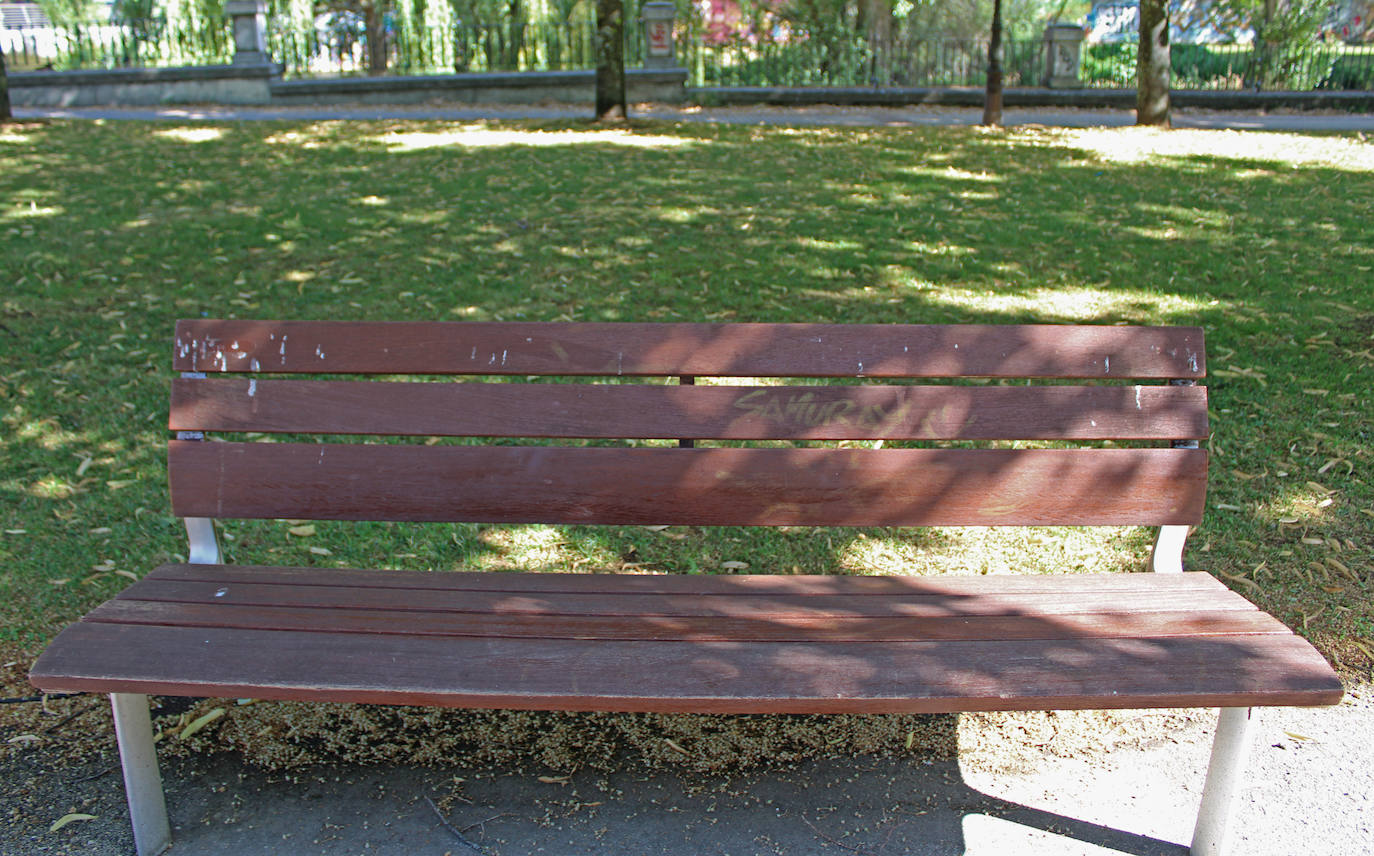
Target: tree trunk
610	61
879	30
992	99
1152	65
374	21
5	112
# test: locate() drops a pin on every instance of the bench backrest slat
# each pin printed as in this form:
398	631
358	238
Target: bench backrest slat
720	486
603	411
703	350
541	453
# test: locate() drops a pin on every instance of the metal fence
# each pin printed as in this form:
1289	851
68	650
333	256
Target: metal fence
338	43
135	44
1232	67
803	59
339	46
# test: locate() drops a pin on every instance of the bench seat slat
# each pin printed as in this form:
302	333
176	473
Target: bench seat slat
700	585
764	605
704	350
691	412
765	626
720	677
769	487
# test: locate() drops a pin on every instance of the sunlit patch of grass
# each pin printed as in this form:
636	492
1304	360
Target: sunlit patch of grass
1146	145
984	550
1071	303
202	134
477	136
539	548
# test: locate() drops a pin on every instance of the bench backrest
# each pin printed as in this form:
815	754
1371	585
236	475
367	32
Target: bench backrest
951	467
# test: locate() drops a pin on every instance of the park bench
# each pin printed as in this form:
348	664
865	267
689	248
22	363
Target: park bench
1030	425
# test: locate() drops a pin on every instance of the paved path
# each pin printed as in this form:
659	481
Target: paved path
760	115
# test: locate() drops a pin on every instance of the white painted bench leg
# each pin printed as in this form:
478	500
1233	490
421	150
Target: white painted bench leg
142	781
1230	752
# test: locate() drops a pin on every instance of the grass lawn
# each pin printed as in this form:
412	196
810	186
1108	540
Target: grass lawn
111	231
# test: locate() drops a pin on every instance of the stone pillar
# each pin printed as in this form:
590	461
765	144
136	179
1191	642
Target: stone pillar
249	19
659	50
1063	45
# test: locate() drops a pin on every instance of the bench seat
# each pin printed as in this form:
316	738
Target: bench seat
726	644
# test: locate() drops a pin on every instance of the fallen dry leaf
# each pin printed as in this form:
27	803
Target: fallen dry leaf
69	818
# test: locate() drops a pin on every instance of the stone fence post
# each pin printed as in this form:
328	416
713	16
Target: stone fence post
249	19
1063	52
658	35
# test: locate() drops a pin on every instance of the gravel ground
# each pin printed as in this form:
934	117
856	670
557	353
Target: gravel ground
1307	791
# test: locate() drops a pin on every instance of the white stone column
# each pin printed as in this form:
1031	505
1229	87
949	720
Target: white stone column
249	19
659	48
1063	47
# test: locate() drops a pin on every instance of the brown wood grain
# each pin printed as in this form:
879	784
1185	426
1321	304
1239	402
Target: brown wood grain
696	676
767	487
699	585
739	605
756	627
700	350
691	412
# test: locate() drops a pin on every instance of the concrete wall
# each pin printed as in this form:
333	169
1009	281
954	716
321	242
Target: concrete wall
522	87
1122	99
262	85
142	87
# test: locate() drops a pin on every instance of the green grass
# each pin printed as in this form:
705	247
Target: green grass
110	232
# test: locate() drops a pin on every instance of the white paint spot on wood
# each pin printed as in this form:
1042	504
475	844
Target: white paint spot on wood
319	351
282	350
222	592
619	363
252	387
503	357
474	353
1192	361
1137	398
234	346
255	365
1106	365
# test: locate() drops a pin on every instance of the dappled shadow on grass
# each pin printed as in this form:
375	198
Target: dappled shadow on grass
111	232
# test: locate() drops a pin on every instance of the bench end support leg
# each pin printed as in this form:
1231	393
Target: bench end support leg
1230	752
142	781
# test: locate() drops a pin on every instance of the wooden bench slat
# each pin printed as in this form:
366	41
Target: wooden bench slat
847	487
702	350
698	585
660	604
704	677
691	412
763	627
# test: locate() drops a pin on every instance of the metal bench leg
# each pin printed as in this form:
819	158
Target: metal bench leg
1230	751
142	781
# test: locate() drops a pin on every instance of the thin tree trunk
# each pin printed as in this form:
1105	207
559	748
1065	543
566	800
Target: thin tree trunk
5	112
992	100
1152	65
374	22
610	61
